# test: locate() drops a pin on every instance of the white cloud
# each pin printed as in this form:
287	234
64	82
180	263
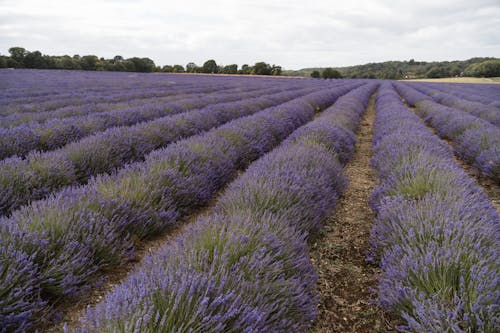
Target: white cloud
291	33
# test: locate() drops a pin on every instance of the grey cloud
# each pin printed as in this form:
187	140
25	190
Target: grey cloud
291	33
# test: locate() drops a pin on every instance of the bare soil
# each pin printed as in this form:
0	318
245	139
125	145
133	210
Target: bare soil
346	281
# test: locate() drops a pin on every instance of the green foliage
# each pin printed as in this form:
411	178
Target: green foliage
34	60
11	63
261	68
22	58
330	73
437	72
192	68
177	69
17	54
488	68
245	69
167	69
276	70
145	65
89	62
66	62
315	74
210	66
230	69
396	70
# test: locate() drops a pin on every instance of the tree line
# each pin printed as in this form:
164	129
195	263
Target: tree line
211	67
22	58
19	57
395	70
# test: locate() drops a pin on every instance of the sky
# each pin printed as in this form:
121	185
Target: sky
293	34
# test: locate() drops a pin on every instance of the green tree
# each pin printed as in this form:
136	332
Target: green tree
128	66
261	68
191	67
315	74
488	68
276	70
245	70
178	69
210	66
11	63
330	73
437	72
17	54
230	69
34	60
167	69
144	65
89	62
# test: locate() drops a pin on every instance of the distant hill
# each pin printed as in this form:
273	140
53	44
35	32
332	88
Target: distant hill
403	69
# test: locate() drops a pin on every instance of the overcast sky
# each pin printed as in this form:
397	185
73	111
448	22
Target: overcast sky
294	34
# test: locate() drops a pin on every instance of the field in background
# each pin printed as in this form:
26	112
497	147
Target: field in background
487	80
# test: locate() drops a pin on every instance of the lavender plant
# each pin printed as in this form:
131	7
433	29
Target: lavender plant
75	234
487	112
475	140
436	232
244	267
39	174
55	133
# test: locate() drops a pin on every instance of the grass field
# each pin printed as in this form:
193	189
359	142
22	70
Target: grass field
488	80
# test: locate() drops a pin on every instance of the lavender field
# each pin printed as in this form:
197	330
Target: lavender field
133	202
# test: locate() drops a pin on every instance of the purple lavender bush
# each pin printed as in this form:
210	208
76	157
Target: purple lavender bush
244	267
487	112
37	92
55	133
125	99
19	289
436	233
75	234
475	140
39	174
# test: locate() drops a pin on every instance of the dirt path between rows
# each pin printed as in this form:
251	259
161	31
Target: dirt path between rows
346	281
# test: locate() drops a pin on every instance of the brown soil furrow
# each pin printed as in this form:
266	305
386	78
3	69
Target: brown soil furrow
346	280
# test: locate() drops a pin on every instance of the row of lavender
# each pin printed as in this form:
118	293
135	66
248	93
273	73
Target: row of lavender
129	99
44	91
55	101
488	94
49	91
38	90
115	100
55	133
244	267
39	174
56	248
436	233
489	113
474	140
